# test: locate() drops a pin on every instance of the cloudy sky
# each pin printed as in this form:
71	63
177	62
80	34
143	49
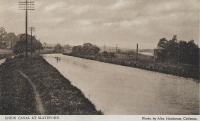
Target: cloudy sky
106	22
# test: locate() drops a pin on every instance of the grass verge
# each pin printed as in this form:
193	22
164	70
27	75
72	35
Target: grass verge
58	95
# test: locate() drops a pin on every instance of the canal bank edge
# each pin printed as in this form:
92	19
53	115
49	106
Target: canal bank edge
182	71
58	95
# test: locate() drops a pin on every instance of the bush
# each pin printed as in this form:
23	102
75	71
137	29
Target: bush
58	48
85	49
20	46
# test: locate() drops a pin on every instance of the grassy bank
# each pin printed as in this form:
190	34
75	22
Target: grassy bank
57	94
145	62
16	95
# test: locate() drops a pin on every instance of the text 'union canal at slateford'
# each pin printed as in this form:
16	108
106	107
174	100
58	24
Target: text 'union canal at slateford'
123	90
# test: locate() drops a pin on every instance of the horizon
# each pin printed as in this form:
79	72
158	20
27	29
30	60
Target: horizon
113	22
101	46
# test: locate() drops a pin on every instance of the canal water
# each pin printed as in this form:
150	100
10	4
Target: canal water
122	90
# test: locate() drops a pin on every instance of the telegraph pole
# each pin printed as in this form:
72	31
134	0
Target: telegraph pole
32	29
137	52
26	5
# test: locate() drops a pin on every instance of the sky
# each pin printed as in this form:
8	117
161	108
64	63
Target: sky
106	22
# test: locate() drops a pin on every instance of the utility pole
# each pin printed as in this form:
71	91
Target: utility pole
26	5
32	29
137	52
11	44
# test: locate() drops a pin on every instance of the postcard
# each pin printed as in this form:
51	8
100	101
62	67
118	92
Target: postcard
99	60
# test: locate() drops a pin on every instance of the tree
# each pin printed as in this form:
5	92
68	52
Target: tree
193	53
160	52
85	49
183	52
58	48
174	38
7	40
20	46
2	32
77	50
172	50
10	40
2	36
162	43
90	49
177	52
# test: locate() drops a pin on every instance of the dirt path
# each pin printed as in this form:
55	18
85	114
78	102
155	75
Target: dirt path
41	90
39	104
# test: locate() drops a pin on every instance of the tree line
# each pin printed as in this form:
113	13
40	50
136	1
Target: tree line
85	49
177	51
7	40
18	42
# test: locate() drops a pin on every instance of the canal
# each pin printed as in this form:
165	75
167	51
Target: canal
122	90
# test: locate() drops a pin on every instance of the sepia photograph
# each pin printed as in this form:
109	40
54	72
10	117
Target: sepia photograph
99	57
